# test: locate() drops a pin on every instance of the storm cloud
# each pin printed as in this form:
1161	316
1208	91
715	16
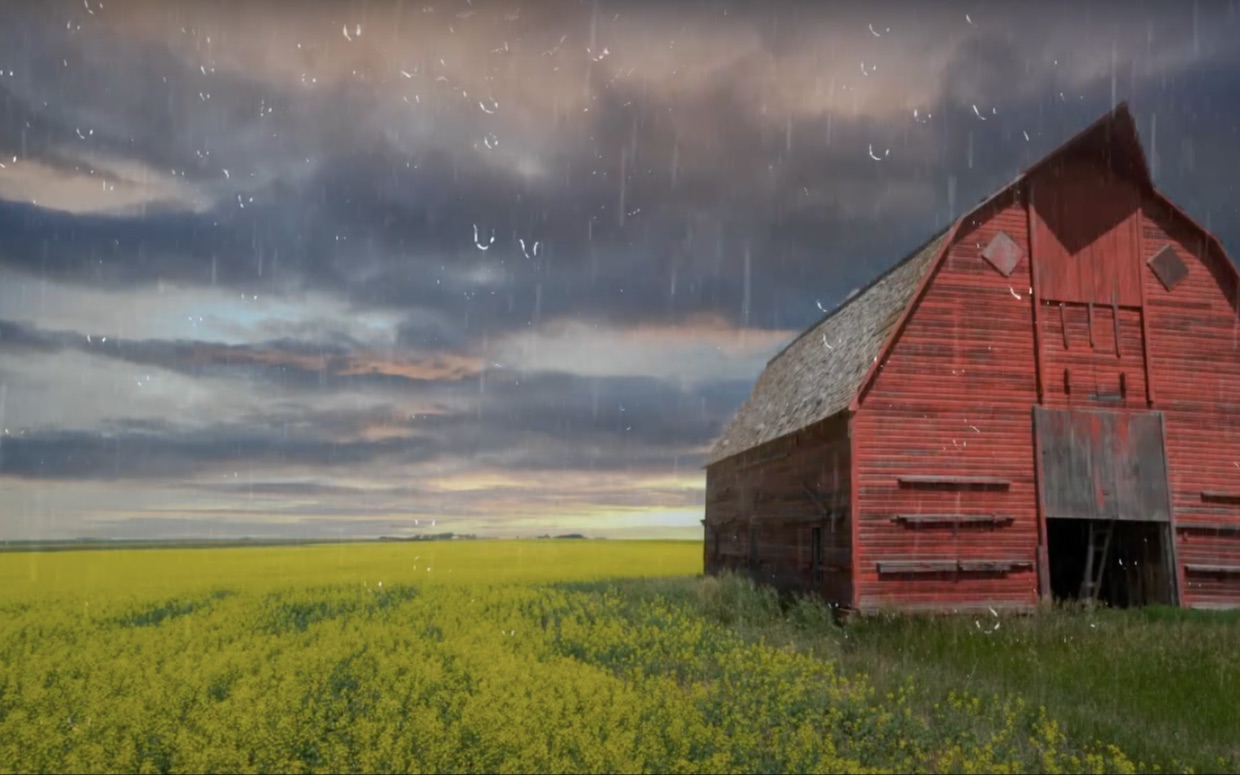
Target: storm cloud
333	269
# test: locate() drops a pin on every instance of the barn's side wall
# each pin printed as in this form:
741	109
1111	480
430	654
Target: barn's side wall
954	400
774	495
1194	357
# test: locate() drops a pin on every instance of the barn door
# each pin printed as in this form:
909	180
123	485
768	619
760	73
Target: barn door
1102	465
1103	493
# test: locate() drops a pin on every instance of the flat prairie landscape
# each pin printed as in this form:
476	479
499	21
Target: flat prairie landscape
570	656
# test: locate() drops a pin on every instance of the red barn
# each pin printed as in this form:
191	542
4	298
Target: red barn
1043	400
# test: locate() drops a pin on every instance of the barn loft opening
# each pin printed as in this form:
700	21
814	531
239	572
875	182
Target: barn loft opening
1118	563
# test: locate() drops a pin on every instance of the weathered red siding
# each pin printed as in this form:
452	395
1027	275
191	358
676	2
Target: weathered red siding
1194	353
954	399
1084	217
939	467
761	494
1080	369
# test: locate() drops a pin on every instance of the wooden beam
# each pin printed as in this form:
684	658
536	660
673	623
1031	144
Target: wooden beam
913	520
994	566
1227	570
952	566
1044	565
1208	527
1035	294
1146	349
1220	497
945	566
955	481
854	512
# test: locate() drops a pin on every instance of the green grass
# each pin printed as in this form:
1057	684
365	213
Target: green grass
1161	683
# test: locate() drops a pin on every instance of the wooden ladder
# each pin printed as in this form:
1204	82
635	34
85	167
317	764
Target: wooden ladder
1099	548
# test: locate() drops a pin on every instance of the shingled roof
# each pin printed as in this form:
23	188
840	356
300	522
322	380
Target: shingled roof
820	372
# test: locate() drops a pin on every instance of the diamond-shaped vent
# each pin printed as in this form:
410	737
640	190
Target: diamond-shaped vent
1169	267
1003	253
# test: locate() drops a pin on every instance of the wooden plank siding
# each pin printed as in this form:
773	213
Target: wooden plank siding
1084	218
1194	353
953	400
931	474
762	494
1084	370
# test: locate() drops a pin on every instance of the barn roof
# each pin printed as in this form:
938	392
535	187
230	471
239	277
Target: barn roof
819	373
824	369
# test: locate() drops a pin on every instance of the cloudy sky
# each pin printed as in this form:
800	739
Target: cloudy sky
327	269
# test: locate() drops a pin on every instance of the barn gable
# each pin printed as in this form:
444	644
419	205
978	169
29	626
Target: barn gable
828	368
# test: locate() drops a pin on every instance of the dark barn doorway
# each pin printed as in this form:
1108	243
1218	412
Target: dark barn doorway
1103	492
1128	567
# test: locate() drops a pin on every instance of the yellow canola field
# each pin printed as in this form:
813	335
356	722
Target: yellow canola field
445	657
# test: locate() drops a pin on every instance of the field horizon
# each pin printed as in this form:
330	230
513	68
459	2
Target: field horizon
570	656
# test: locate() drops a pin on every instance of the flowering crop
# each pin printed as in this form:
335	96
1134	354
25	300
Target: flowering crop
454	657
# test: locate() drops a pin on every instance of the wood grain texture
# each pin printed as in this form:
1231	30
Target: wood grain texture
1194	353
952	405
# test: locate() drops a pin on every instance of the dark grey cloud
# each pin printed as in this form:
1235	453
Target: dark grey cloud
17	338
706	178
174	453
634	199
718	160
534	421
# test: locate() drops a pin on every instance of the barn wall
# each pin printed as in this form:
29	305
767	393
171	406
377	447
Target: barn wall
1086	369
954	399
1194	353
761	495
1083	218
